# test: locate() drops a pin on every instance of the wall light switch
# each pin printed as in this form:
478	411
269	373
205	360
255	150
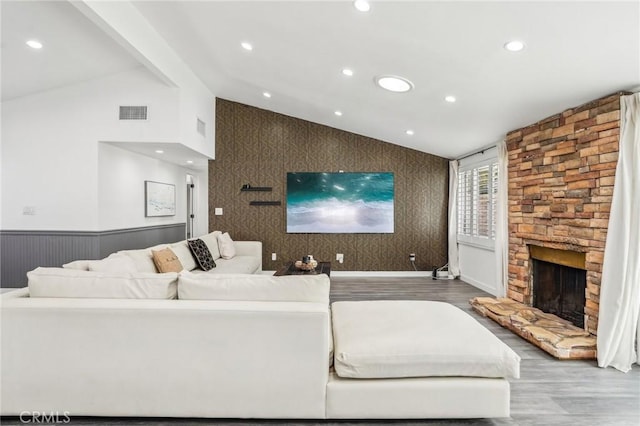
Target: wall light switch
340	257
29	210
218	211
274	256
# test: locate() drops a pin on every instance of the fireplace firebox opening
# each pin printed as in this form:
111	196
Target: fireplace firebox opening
558	283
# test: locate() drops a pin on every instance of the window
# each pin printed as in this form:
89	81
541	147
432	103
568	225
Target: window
477	192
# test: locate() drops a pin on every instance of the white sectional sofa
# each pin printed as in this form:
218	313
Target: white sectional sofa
246	258
242	346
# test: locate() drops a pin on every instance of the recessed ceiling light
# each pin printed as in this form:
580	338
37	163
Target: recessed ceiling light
189	161
347	72
394	83
362	5
159	151
514	46
246	46
409	132
338	113
266	94
450	99
34	44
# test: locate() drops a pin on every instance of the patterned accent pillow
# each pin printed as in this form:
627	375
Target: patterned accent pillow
202	254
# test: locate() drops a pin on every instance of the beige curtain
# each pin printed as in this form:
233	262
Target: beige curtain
502	224
454	265
618	323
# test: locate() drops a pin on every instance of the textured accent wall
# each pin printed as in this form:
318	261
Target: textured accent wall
561	174
259	147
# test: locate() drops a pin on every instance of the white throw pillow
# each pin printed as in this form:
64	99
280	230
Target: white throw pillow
142	258
211	240
253	287
227	248
182	250
117	263
70	283
79	265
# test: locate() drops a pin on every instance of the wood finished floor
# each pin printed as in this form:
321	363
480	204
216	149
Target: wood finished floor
549	392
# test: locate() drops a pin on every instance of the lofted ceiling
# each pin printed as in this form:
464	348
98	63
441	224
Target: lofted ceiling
75	50
575	51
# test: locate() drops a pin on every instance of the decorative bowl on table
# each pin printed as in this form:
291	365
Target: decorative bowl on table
309	266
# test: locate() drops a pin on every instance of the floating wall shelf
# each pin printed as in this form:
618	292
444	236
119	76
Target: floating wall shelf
246	188
265	203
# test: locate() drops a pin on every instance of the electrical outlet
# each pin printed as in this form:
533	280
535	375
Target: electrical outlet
412	257
340	257
218	211
29	210
274	256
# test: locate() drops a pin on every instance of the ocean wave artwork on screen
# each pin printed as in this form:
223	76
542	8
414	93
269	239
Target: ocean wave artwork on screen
336	203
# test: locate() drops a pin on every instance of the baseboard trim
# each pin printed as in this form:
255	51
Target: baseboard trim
381	273
480	285
397	274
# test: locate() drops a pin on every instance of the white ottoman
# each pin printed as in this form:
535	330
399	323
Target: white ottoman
394	339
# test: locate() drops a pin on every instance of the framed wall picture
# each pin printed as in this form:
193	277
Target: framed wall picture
340	203
160	199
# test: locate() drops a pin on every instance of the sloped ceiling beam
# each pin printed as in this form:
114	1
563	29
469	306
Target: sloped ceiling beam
126	25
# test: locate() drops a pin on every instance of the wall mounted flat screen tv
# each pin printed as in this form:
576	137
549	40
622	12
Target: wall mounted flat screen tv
337	203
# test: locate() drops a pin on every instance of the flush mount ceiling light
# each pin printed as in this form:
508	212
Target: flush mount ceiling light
266	94
394	83
159	151
348	72
338	113
409	132
514	46
246	46
362	5
450	99
34	44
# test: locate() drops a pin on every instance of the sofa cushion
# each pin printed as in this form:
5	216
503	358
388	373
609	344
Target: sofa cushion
211	240
292	288
237	265
386	339
80	265
166	260
202	254
142	259
182	250
113	263
226	246
70	283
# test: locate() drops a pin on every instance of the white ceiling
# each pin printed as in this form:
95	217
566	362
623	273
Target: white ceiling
74	50
575	51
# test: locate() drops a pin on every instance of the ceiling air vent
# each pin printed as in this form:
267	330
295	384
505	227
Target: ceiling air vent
133	113
201	127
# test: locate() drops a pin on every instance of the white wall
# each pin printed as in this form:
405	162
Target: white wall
121	176
478	264
52	160
127	26
478	268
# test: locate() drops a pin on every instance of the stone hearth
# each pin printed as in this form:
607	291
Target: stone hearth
550	333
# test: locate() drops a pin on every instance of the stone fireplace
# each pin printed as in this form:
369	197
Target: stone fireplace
561	175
